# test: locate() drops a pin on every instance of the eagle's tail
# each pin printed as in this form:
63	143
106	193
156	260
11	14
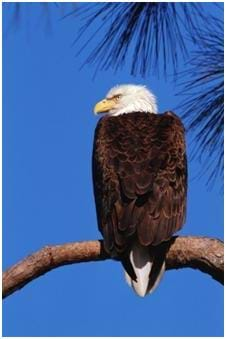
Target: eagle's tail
148	267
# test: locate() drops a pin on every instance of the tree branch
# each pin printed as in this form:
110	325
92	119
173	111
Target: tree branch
205	254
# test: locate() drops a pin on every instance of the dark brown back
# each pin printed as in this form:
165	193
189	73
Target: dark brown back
140	178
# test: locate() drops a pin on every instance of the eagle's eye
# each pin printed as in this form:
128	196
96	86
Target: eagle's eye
117	97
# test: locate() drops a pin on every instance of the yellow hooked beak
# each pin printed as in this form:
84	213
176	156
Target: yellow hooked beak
104	106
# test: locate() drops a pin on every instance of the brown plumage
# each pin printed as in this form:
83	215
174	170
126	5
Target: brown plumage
140	179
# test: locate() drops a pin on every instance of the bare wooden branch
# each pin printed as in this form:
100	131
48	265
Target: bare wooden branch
201	253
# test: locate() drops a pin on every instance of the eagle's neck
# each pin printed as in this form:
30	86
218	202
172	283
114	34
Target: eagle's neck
145	106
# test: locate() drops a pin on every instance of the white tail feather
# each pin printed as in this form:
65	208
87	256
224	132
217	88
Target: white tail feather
142	262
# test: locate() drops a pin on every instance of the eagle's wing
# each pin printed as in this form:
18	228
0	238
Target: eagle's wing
140	178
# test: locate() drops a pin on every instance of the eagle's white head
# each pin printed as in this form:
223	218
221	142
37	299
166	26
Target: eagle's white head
127	99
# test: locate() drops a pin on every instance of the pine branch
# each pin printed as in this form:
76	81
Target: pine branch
142	35
203	106
205	254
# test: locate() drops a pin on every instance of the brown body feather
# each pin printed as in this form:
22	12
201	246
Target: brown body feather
140	179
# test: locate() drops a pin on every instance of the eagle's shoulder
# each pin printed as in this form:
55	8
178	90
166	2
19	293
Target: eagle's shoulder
146	117
174	118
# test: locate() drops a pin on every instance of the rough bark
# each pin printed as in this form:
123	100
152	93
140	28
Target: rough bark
205	254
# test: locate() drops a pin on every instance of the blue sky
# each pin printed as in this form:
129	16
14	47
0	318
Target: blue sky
48	129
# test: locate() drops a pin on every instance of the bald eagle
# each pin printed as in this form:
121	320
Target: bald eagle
140	181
